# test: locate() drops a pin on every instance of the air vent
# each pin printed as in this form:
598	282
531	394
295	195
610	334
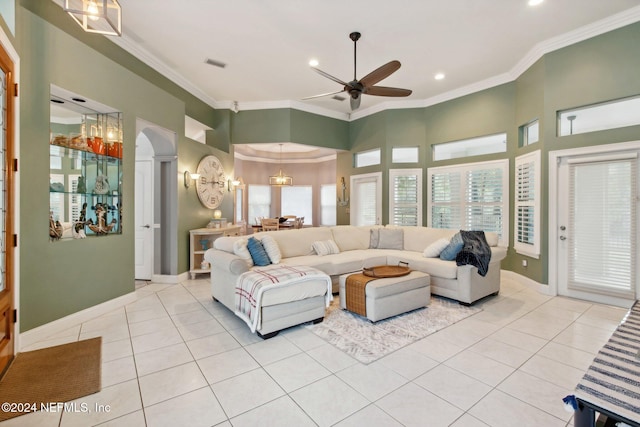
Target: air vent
338	98
215	63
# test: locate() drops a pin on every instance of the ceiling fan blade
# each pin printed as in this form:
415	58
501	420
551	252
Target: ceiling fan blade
386	91
380	73
329	76
355	102
323	94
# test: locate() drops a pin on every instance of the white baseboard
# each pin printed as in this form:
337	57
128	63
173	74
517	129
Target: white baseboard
168	279
43	332
529	283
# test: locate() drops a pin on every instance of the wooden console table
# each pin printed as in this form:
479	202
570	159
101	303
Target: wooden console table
611	385
197	249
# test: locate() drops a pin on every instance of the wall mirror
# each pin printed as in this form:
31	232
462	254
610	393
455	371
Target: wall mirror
85	167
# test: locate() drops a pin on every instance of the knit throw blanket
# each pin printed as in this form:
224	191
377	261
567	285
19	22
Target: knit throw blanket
251	286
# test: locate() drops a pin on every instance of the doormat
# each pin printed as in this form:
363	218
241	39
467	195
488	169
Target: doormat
50	376
367	342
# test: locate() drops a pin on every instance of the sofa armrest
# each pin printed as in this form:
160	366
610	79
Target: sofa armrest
226	261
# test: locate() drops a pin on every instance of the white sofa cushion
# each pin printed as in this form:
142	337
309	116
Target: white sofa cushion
273	251
434	249
418	238
325	247
298	242
240	249
432	266
350	238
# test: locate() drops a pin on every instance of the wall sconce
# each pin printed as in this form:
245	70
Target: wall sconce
217	214
96	16
233	183
188	177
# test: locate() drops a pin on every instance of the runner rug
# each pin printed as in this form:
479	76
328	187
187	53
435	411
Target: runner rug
50	376
367	342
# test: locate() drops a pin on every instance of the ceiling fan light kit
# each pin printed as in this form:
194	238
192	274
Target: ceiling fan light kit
365	85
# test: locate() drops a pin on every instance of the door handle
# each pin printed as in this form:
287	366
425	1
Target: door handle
563	238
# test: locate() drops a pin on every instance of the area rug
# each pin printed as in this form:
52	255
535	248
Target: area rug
50	376
367	342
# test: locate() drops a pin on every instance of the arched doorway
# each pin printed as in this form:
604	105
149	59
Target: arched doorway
156	207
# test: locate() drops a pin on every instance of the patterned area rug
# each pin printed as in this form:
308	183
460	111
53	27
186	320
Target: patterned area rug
367	342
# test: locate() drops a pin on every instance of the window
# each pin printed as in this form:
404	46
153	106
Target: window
405	197
607	115
366	199
367	158
527	204
259	202
328	204
297	200
529	133
471	147
404	155
471	197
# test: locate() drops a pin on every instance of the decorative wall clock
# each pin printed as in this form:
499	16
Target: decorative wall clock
210	184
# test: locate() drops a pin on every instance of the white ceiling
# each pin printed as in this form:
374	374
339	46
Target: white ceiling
267	44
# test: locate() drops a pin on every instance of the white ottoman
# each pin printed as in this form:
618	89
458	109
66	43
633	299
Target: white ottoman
393	295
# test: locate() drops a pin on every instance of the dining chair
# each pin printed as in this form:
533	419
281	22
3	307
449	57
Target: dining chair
270	224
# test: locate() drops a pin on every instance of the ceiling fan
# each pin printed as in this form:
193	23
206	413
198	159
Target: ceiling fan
365	85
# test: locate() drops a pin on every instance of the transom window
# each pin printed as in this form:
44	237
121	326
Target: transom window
367	158
606	115
471	147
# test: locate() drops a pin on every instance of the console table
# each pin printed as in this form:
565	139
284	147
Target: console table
197	249
611	385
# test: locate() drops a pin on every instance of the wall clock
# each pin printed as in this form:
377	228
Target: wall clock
210	184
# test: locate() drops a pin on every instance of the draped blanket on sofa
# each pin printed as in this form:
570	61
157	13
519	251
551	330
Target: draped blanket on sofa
252	284
475	251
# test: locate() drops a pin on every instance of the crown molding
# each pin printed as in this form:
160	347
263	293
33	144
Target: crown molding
602	26
259	159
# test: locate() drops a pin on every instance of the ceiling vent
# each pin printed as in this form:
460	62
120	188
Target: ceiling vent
215	63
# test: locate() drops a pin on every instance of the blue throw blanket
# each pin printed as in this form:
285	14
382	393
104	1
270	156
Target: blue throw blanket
475	251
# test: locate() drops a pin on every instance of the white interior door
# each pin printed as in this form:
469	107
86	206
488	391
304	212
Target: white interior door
144	219
597	226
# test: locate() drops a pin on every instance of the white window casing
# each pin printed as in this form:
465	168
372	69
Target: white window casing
528	185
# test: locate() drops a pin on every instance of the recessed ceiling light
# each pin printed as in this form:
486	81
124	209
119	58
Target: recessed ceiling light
439	76
78	99
535	2
57	101
313	63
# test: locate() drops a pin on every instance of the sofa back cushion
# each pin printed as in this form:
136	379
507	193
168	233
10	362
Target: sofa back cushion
351	237
418	238
297	242
226	243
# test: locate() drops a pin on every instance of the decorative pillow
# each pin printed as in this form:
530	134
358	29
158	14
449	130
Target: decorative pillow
325	247
455	245
240	249
258	254
374	238
391	238
434	249
271	246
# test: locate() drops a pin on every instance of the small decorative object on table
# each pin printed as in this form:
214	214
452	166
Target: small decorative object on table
205	244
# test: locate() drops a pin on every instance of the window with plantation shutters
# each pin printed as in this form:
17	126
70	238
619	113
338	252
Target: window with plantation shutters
471	197
328	204
405	197
259	202
366	199
297	200
527	204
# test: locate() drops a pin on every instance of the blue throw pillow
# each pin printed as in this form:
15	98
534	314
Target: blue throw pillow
455	245
258	253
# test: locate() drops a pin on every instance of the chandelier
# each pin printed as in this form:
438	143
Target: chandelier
280	179
96	16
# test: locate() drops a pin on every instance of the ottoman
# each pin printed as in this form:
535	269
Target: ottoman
393	295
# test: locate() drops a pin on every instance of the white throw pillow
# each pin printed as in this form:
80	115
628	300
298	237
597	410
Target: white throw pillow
325	247
240	249
271	246
434	249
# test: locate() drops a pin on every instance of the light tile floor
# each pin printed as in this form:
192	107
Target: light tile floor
176	358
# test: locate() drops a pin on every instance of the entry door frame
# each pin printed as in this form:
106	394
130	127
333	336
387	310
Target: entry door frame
554	204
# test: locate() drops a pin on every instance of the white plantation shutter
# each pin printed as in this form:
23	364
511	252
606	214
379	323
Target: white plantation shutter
471	197
445	200
405	197
259	201
602	226
75	201
527	204
366	199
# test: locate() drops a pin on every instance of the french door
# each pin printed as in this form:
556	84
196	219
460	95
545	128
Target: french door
366	199
7	324
597	226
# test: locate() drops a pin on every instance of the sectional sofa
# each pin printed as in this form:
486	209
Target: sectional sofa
356	247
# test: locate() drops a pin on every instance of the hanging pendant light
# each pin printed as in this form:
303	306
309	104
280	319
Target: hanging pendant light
96	16
280	179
